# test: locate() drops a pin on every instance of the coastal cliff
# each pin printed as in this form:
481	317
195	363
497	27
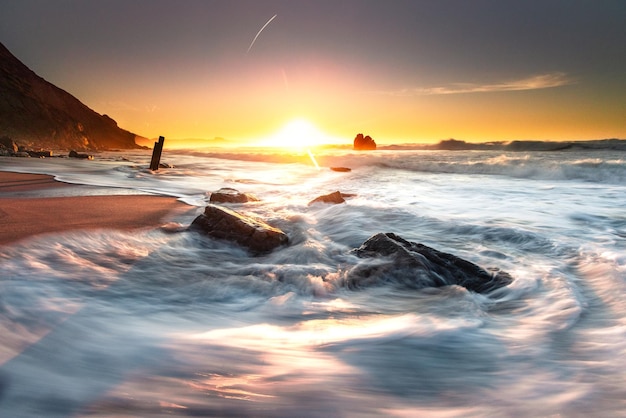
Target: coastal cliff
36	114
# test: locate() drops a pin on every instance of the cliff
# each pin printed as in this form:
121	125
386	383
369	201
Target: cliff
36	114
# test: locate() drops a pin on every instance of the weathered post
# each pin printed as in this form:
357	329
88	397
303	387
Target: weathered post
156	154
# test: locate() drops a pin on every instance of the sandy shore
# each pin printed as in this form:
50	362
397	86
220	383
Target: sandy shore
22	217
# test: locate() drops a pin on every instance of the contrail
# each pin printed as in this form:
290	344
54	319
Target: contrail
259	32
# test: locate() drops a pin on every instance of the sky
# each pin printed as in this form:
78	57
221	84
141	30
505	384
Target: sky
400	71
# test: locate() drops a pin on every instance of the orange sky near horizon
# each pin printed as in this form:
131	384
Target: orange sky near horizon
401	72
340	106
340	114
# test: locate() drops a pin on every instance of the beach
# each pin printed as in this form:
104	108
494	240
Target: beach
23	217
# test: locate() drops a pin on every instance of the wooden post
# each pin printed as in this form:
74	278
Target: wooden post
156	154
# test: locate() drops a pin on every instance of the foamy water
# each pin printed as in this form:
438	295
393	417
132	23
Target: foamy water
149	323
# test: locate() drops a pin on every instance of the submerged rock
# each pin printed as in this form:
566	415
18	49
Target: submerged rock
417	266
228	195
226	224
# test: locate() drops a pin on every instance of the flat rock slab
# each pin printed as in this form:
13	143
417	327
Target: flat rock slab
414	265
254	234
228	195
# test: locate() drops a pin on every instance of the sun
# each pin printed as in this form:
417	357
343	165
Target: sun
297	133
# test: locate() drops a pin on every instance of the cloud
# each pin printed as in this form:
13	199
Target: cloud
536	82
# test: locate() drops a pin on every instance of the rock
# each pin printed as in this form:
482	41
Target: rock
8	144
332	198
418	266
40	154
362	143
254	234
228	195
74	154
341	169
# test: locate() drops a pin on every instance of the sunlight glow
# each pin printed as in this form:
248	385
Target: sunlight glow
298	133
313	159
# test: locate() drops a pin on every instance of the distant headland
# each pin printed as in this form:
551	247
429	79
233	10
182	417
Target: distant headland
528	145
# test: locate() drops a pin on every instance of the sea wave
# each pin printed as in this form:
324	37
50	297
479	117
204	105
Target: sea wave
90	319
537	167
601	166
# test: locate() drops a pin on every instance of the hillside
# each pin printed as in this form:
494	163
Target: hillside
36	114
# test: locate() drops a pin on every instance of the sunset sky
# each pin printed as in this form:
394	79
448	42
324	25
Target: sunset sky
400	71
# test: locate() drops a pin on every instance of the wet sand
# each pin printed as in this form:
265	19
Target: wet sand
23	217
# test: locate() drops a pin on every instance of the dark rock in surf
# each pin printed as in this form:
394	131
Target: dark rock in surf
74	154
40	154
226	224
364	143
228	195
341	169
331	198
414	265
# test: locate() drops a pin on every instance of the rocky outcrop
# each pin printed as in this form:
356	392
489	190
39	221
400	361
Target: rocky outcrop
396	260
83	156
7	146
38	115
228	195
364	143
40	154
254	234
331	198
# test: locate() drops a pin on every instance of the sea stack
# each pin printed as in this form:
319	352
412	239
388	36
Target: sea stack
364	143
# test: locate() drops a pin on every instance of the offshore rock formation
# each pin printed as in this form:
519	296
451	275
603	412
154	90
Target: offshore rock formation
36	114
417	266
364	143
226	224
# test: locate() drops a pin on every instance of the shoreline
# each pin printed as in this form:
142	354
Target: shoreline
29	215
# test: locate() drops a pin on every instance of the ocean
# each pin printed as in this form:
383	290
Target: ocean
167	322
